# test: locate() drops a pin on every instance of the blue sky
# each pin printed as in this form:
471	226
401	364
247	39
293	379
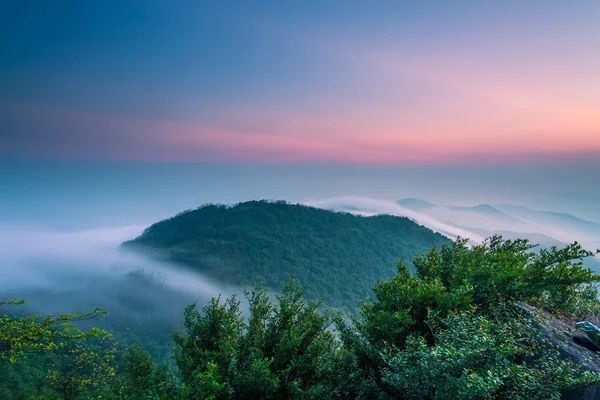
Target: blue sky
396	82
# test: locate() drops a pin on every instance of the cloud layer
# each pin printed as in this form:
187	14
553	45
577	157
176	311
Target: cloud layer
44	259
367	206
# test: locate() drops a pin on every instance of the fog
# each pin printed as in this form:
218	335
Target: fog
86	194
367	206
43	259
58	272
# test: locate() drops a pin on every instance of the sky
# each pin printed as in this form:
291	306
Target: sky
397	82
168	105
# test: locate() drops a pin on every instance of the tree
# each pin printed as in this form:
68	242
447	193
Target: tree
474	356
283	351
23	334
142	379
470	292
78	362
82	368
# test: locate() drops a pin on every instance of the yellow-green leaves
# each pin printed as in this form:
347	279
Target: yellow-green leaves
21	334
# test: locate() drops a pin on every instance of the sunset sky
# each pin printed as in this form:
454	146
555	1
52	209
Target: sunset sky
389	82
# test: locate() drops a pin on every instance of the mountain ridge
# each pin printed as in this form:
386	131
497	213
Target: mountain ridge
338	254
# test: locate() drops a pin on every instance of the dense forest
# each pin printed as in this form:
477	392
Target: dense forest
338	254
453	322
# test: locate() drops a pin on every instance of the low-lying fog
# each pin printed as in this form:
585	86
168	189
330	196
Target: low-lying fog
60	272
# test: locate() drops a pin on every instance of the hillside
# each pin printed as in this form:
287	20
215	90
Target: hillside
339	254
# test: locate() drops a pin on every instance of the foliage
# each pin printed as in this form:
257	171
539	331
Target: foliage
76	362
339	254
283	351
479	357
20	335
82	369
141	378
487	276
469	291
25	378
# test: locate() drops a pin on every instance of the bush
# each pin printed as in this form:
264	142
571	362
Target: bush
449	331
477	357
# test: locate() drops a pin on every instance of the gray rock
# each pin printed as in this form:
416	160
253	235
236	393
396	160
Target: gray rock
560	333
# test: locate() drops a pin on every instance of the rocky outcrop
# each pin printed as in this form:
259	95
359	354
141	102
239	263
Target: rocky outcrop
560	333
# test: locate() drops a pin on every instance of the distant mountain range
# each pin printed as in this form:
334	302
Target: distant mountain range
562	227
415	204
545	228
566	221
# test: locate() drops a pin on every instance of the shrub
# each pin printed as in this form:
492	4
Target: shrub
470	292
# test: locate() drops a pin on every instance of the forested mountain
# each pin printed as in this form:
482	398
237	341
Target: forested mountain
338	254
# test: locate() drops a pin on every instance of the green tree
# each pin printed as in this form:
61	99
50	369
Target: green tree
283	351
22	334
142	379
468	290
479	357
68	361
82	369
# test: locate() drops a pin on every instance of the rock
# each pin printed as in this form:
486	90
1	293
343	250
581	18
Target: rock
560	332
586	342
591	330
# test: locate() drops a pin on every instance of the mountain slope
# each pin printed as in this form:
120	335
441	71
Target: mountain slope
339	254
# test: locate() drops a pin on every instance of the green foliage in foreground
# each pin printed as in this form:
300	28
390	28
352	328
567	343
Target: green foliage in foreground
48	357
478	357
453	329
489	276
39	333
283	351
423	324
338	254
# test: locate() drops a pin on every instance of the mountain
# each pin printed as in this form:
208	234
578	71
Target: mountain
592	245
484	209
583	204
543	241
415	204
339	254
525	221
483	216
560	225
545	228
